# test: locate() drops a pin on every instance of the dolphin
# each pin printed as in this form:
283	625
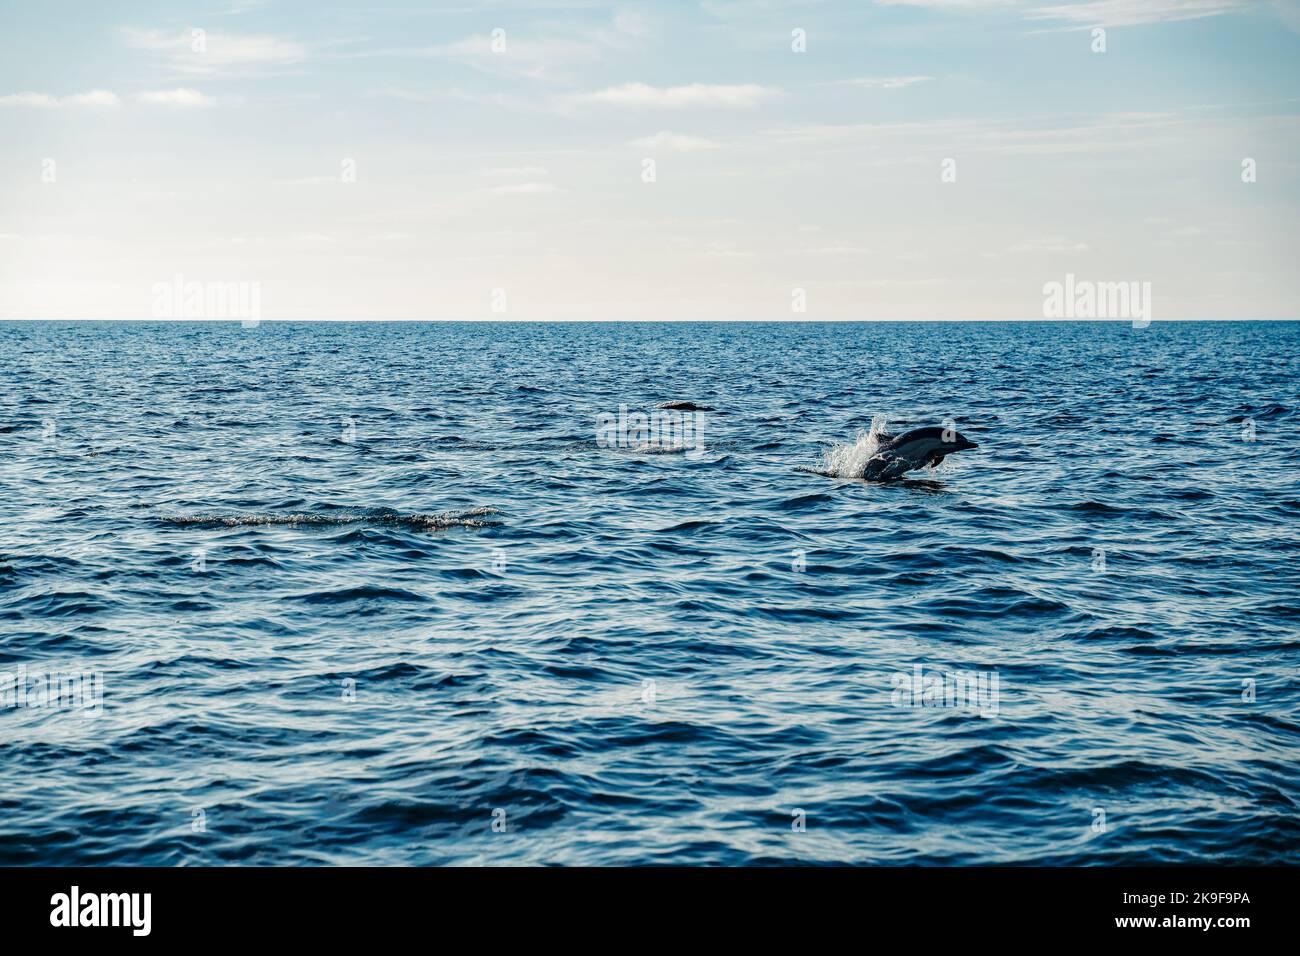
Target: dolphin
683	406
919	448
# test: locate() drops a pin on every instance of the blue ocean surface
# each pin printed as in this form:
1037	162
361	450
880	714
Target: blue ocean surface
324	593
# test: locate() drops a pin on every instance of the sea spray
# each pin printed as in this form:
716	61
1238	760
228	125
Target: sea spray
849	459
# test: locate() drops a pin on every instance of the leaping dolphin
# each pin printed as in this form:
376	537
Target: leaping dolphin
919	448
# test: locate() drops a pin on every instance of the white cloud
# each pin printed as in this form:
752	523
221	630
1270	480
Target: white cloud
666	141
527	188
530	58
219	51
506	101
92	98
1091	13
710	248
743	96
241	6
840	250
105	98
517	171
950	4
1125	13
1049	245
1047	135
516	53
883	82
182	96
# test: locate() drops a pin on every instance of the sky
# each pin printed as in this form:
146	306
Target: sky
716	160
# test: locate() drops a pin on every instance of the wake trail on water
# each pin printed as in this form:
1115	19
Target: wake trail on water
435	521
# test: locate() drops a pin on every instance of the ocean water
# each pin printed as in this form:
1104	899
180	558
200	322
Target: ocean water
376	594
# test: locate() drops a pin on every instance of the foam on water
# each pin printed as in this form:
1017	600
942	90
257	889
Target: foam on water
469	518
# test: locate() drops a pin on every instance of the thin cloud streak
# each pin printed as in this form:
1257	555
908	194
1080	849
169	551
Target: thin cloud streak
675	142
183	96
882	82
188	52
49	101
746	96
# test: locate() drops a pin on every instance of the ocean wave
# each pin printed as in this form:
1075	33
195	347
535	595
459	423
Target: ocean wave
648	659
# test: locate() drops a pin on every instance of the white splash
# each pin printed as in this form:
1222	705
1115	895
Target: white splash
849	459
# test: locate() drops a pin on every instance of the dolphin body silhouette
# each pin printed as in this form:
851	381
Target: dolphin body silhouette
919	448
